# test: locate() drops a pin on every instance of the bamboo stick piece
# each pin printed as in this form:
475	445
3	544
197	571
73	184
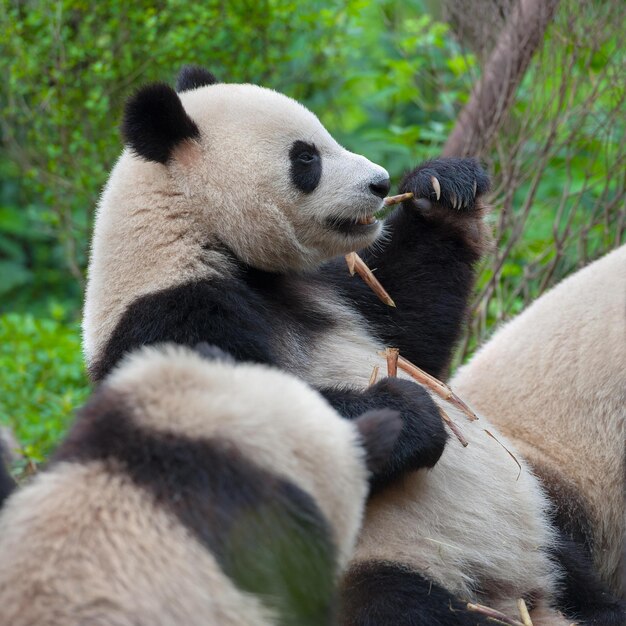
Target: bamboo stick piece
358	265
390	200
507	451
493	614
392	355
453	427
374	375
523	611
435	385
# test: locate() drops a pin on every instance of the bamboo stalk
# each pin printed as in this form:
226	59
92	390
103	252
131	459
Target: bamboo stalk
435	385
493	614
523	611
429	381
507	451
453	427
374	375
392	355
390	200
358	265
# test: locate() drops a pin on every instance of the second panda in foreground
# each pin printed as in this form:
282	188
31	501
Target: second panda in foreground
221	222
192	492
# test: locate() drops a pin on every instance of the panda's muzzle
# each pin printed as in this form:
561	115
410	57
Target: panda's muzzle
353	226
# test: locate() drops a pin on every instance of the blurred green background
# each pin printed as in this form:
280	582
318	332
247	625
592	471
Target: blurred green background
387	78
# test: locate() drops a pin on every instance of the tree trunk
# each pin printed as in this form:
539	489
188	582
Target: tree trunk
486	109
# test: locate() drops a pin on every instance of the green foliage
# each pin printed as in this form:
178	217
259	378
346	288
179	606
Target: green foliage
43	378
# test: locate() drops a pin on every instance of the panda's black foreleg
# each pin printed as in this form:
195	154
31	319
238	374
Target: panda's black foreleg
426	261
584	598
423	436
376	593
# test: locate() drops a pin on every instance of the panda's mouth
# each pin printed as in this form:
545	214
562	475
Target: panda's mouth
353	226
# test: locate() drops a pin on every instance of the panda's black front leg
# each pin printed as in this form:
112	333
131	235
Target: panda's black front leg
426	261
423	436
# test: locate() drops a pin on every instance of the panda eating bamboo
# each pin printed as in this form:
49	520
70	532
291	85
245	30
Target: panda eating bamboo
222	222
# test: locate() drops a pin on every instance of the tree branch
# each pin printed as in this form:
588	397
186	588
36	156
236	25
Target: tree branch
490	100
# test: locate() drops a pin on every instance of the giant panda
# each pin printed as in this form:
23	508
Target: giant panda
221	222
554	380
192	491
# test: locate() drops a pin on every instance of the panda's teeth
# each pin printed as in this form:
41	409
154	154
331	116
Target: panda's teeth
366	221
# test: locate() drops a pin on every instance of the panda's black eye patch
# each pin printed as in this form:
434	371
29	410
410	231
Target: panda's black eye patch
306	166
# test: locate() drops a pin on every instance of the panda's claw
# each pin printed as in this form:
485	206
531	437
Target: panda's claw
453	200
436	186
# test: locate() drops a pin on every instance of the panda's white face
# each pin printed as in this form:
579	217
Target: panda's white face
268	177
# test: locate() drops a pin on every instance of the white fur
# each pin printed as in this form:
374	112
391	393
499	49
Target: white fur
554	380
83	545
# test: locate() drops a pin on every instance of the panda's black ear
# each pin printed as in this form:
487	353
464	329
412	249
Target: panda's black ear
192	77
155	122
379	430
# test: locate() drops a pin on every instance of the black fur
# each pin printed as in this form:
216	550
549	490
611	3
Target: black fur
213	353
225	314
583	596
379	430
306	166
192	77
570	512
155	122
457	178
266	533
7	484
247	318
385	594
428	268
423	436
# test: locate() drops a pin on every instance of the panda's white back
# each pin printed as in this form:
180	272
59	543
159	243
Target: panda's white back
80	546
554	379
111	534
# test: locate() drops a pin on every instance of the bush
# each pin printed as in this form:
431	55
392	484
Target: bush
43	379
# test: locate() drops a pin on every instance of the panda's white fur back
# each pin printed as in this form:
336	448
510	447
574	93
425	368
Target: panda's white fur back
85	544
554	379
80	546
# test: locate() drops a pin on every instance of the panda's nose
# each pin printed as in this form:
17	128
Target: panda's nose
380	187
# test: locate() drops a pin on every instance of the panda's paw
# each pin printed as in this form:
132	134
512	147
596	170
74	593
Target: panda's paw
452	183
423	436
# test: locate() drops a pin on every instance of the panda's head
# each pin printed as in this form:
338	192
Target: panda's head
256	169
